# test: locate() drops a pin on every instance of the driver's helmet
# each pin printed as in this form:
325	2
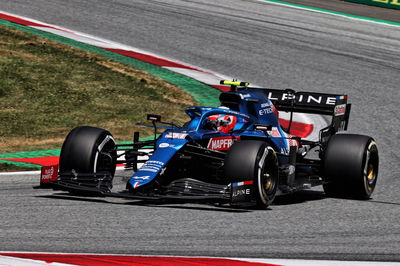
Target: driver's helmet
223	123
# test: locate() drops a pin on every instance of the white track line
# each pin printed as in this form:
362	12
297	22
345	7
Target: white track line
20	173
13	261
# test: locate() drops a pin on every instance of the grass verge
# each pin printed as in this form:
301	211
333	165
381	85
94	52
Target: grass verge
47	88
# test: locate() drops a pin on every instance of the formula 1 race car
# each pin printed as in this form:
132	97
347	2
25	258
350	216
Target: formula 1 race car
240	153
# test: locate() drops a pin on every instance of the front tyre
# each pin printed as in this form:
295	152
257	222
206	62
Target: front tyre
256	161
88	150
351	164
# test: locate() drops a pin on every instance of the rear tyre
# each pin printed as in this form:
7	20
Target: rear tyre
350	166
256	161
88	150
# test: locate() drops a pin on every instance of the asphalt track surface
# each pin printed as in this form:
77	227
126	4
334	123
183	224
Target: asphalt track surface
258	42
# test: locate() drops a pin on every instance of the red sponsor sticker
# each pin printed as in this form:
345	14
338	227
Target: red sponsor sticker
49	173
220	143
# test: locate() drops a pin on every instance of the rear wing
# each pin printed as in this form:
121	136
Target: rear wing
304	102
313	103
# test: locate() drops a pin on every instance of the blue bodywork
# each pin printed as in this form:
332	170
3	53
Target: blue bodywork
252	108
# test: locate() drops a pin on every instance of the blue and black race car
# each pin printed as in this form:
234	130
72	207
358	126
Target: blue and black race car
241	153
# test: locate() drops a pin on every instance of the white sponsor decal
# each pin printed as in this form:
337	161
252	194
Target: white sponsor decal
321	99
220	144
174	135
163	145
241	192
152	166
265	111
142	177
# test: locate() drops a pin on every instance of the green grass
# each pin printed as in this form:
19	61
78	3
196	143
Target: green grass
47	88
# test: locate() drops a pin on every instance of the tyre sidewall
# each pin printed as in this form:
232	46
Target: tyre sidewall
344	165
80	149
242	164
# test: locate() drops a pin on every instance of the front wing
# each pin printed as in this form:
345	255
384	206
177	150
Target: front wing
184	189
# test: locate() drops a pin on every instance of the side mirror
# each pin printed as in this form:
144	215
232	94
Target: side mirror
154	118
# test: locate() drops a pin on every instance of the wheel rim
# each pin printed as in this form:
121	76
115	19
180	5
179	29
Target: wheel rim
370	176
371	167
371	173
268	183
